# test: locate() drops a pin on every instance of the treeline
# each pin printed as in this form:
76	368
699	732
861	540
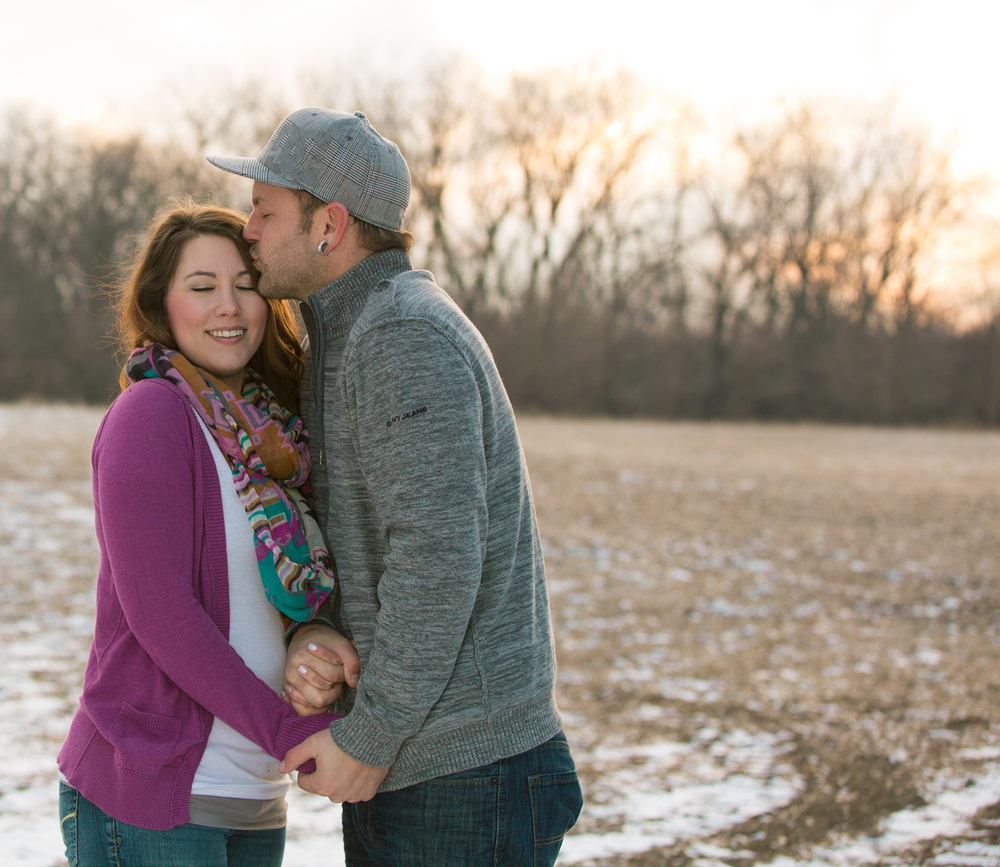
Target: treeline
621	254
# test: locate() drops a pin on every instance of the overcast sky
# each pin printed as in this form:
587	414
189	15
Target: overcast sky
937	57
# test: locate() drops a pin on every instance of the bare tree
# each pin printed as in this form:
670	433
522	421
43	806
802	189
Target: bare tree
827	228
35	174
612	268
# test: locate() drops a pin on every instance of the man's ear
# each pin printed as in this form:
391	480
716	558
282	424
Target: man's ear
334	222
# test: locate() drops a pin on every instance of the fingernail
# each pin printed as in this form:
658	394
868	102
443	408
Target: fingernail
313	648
303	670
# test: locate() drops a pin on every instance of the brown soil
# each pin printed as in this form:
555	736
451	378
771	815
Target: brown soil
838	585
834	588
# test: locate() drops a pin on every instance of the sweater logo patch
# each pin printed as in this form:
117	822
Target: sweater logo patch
405	415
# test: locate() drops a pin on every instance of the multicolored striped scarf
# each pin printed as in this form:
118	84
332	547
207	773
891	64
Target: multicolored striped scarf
266	448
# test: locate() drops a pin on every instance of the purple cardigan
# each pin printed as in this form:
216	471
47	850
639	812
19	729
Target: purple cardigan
161	666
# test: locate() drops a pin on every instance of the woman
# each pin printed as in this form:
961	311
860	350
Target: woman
207	552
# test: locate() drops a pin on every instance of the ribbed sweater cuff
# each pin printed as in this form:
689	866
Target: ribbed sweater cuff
295	730
361	736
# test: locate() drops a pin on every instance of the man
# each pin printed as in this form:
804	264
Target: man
452	751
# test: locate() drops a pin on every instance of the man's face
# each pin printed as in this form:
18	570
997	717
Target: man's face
284	255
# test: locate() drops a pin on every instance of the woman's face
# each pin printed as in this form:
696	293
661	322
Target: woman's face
214	313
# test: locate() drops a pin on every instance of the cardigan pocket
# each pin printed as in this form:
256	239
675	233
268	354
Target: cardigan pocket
144	742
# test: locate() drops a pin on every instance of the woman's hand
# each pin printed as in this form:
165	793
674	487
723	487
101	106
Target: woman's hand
319	661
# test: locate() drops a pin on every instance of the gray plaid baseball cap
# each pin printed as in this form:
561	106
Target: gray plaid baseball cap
338	158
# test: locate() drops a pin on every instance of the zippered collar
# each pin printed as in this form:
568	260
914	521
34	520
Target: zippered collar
336	306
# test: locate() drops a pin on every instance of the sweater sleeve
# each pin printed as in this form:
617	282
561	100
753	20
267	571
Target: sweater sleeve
418	418
147	488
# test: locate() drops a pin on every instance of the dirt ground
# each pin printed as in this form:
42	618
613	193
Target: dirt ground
836	587
809	613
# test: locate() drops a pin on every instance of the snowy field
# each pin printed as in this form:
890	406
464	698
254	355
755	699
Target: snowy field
777	644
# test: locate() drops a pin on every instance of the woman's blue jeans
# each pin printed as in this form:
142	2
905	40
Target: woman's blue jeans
95	839
513	813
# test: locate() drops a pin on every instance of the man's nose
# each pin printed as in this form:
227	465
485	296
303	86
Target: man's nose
250	234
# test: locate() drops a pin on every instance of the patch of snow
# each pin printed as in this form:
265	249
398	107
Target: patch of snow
662	818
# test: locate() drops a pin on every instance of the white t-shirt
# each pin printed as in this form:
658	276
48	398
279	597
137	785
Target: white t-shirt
233	766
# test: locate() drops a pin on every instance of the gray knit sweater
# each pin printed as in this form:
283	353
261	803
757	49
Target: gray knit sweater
422	492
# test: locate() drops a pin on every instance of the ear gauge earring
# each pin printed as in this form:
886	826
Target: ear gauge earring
323	247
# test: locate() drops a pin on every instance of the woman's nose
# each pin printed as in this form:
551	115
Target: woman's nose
228	303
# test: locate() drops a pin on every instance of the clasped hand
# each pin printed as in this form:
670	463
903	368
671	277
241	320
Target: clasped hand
338	776
319	662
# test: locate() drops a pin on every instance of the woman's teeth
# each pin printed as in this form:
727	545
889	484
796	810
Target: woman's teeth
238	332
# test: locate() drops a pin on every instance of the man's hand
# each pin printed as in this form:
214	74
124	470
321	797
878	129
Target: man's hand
319	661
339	777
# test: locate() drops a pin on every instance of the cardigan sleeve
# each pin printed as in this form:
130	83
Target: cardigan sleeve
150	486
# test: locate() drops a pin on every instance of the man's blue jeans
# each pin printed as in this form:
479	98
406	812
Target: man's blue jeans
513	813
95	839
